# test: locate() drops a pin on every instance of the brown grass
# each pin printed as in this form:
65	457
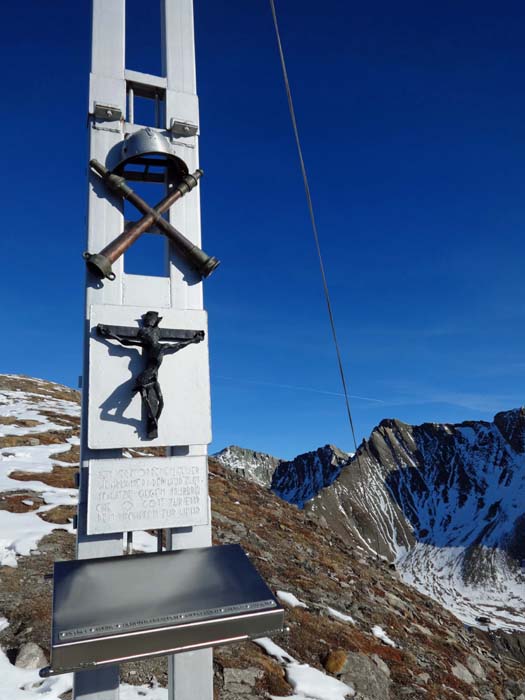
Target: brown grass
13	502
61	515
72	456
60	477
19	422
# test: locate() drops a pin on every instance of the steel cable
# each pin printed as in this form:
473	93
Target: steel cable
312	218
318	247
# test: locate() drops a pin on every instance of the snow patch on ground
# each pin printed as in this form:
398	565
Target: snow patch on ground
309	683
290	599
27	406
144	542
438	572
23	684
141	692
339	615
380	633
20	533
273	649
28	459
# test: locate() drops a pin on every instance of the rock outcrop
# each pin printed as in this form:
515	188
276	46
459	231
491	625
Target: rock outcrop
300	479
255	466
445	503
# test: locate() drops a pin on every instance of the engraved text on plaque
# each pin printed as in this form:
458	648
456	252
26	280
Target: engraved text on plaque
147	494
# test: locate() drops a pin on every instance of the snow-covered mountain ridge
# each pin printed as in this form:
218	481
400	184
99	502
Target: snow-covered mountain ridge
296	481
300	479
255	466
443	501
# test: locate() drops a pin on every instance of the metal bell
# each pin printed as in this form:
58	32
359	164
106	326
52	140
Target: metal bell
147	155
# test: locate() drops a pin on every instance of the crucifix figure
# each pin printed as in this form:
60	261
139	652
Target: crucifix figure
149	338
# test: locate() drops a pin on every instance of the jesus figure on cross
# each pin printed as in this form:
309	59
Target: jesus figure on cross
149	339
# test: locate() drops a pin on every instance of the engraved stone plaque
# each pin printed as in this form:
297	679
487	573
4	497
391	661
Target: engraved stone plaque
116	413
146	494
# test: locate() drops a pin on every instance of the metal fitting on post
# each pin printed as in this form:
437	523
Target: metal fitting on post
190	181
99	265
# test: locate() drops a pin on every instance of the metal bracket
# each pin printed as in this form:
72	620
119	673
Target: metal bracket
179	128
98	126
108	113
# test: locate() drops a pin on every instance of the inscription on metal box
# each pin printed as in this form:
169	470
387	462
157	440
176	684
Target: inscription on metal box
147	494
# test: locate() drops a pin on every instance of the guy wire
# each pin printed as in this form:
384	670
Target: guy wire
317	244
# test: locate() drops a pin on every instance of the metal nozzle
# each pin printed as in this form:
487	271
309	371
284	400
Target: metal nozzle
99	265
209	266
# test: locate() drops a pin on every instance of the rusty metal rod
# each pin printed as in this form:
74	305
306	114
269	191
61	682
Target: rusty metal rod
115	249
100	263
118	184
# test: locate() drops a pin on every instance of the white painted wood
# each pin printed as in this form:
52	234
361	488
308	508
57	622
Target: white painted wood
107	54
178	45
190	675
182	107
181	290
136	76
178	58
115	413
147	494
110	92
102	684
186	287
142	290
187	537
105	220
108	40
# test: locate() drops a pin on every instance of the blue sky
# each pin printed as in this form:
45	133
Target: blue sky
411	116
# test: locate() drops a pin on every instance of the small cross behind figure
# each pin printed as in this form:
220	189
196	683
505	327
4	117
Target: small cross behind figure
149	337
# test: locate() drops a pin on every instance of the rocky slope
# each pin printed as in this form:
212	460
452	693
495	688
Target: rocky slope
354	627
352	621
300	479
255	466
443	501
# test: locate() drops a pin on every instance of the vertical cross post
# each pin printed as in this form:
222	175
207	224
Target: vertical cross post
107	87
111	119
190	675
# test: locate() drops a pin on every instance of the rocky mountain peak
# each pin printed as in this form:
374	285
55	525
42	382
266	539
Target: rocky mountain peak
299	480
511	425
255	466
445	502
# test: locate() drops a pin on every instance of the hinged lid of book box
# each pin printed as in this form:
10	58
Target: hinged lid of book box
121	608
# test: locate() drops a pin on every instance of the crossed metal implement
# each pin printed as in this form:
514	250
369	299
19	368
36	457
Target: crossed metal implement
100	263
